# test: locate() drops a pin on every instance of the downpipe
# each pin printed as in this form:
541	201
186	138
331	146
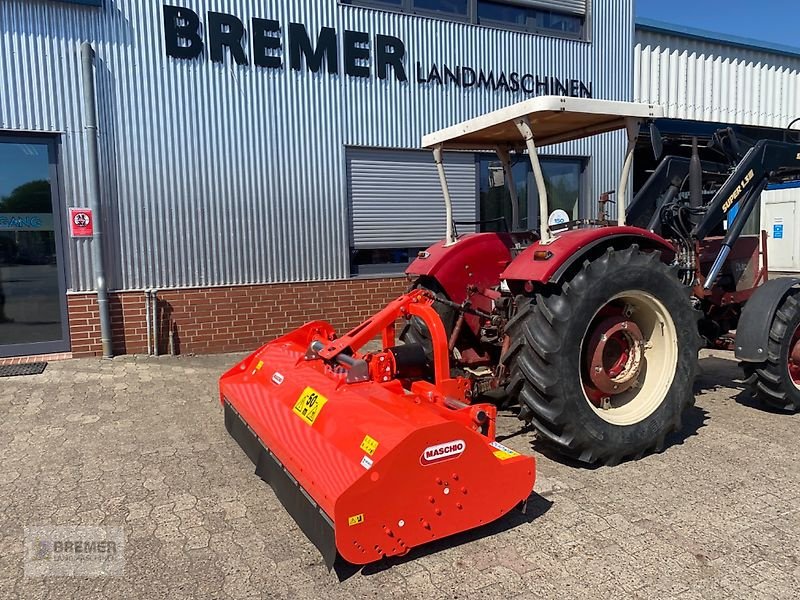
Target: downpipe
93	173
154	305
147	318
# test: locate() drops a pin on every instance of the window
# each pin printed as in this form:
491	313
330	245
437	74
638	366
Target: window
449	7
86	2
381	261
534	16
563	178
527	18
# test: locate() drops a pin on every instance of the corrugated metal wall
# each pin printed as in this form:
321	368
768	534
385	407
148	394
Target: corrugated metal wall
709	81
220	174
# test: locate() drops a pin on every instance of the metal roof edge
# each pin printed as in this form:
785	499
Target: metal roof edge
715	37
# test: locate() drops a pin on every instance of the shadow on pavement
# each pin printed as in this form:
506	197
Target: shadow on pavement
716	373
536	507
720	373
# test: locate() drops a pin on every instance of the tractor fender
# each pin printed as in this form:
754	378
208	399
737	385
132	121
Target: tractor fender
570	248
475	259
752	333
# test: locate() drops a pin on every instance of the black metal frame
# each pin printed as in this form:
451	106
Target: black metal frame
62	345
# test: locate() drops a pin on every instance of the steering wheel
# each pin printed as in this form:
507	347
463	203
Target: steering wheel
793	134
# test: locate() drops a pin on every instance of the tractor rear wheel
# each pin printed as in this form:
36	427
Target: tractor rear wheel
776	381
604	364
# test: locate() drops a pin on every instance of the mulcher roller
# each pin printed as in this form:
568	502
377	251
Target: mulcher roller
370	460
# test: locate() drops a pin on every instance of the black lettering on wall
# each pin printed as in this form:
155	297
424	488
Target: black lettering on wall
559	89
356	50
435	75
452	77
300	45
573	88
528	84
390	52
420	74
468	77
502	82
543	85
225	31
266	42
182	25
586	90
486	80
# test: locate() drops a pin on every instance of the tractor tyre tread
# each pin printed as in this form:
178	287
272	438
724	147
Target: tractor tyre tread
770	381
543	379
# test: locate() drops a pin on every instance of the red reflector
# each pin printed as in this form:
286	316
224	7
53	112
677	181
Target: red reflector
542	255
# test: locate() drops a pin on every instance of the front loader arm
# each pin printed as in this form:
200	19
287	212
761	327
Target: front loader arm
766	162
666	182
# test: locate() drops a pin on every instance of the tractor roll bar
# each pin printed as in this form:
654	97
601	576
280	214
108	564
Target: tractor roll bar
632	127
448	202
539	122
523	124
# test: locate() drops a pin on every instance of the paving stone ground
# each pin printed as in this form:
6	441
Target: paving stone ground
140	443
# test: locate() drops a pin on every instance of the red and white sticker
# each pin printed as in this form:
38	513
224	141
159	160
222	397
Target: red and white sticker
440	452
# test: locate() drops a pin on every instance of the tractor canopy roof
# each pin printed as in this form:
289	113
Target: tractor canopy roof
553	119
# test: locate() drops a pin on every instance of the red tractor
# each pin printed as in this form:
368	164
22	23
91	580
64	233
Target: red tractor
594	326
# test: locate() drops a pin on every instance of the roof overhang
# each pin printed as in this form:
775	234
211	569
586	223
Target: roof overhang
553	119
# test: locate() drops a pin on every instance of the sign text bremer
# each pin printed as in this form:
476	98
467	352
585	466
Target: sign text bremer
358	54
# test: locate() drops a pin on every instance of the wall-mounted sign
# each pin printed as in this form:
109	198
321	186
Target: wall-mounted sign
353	53
81	222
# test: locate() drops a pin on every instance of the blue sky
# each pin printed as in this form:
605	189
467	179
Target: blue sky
772	21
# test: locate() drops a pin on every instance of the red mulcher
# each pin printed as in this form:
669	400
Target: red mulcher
368	457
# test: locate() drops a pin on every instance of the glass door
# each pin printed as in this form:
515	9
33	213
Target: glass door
33	306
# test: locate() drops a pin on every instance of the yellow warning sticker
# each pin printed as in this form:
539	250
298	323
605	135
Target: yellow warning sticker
355	519
369	445
258	367
309	405
503	452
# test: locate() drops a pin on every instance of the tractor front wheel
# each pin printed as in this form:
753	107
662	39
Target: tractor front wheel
603	365
776	381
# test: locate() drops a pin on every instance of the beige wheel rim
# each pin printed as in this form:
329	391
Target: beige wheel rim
629	356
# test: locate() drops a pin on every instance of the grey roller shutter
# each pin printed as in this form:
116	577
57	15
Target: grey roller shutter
396	199
576	7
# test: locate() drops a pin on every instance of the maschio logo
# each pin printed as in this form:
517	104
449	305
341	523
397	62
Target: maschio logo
440	452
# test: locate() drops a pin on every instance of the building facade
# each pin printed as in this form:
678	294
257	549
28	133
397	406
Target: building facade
259	161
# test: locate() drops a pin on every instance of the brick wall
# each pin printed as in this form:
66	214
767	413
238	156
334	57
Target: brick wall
227	319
